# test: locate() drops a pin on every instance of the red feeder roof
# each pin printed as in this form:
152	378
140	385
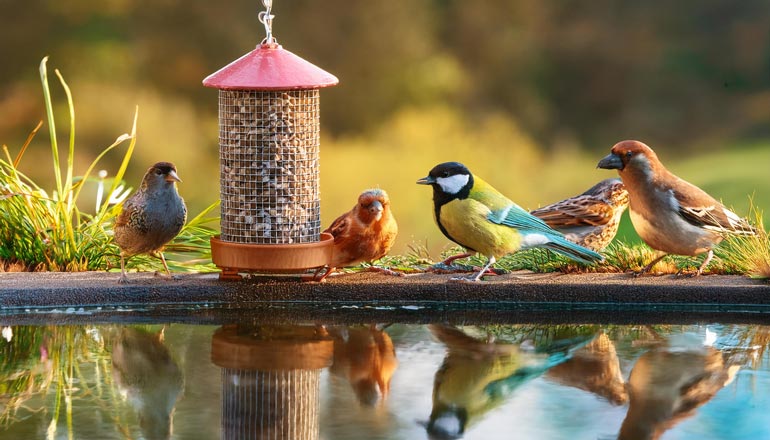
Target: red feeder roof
270	67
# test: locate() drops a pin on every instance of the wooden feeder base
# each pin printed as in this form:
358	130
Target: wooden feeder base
233	258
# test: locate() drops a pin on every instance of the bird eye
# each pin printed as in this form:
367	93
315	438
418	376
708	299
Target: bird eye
158	172
629	154
446	173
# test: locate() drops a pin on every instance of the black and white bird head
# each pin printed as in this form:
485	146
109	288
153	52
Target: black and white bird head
449	180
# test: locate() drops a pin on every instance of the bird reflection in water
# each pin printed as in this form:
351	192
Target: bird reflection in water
366	358
594	368
149	378
478	375
668	383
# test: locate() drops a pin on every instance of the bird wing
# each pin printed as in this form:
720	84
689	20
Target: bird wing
133	215
503	211
700	209
575	211
516	217
339	226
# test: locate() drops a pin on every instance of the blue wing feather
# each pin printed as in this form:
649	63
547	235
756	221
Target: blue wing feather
516	217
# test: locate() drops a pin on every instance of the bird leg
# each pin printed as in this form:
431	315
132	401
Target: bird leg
165	266
705	263
649	266
481	273
451	259
328	272
446	265
123	278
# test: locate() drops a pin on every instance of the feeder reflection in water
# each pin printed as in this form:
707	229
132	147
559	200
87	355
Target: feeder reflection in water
366	358
149	378
270	379
478	375
667	385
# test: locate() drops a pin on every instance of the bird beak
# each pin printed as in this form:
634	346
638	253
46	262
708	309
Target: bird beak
172	177
376	209
427	180
611	162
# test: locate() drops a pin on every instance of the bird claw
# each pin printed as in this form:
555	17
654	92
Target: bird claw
682	274
123	280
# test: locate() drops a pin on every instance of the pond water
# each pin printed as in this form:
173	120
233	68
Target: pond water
248	379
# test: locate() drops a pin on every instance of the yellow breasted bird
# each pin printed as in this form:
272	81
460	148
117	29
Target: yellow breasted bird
473	214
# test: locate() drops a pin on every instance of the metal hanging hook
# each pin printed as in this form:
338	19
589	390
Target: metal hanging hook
266	18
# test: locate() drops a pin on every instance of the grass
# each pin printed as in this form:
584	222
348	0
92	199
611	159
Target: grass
736	255
48	231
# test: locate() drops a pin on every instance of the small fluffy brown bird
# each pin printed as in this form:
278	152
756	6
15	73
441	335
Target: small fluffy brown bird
590	219
671	215
151	217
365	233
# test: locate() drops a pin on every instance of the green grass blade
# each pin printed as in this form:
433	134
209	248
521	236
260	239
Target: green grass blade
124	165
51	124
71	152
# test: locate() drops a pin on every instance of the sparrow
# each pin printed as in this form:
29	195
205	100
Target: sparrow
670	214
151	217
590	219
473	214
363	234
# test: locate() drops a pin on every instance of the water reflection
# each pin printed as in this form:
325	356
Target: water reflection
270	380
594	368
478	375
372	381
366	358
668	383
147	375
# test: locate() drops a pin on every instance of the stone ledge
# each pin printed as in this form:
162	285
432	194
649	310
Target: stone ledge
47	289
95	297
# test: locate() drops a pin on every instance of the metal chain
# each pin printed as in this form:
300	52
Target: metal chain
266	18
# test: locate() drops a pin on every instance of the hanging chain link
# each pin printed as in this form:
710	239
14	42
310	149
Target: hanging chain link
266	18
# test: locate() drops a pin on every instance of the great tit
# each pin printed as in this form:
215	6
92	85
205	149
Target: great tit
473	214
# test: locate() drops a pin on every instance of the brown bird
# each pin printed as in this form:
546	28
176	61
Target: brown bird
151	217
671	215
364	234
590	219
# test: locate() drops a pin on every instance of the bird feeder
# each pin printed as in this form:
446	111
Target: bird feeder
269	131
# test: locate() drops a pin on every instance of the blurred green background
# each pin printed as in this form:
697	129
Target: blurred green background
529	94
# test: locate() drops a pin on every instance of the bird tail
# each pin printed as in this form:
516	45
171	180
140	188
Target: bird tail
562	246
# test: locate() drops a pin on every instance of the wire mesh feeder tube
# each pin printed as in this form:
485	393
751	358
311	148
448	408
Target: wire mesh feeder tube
269	166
